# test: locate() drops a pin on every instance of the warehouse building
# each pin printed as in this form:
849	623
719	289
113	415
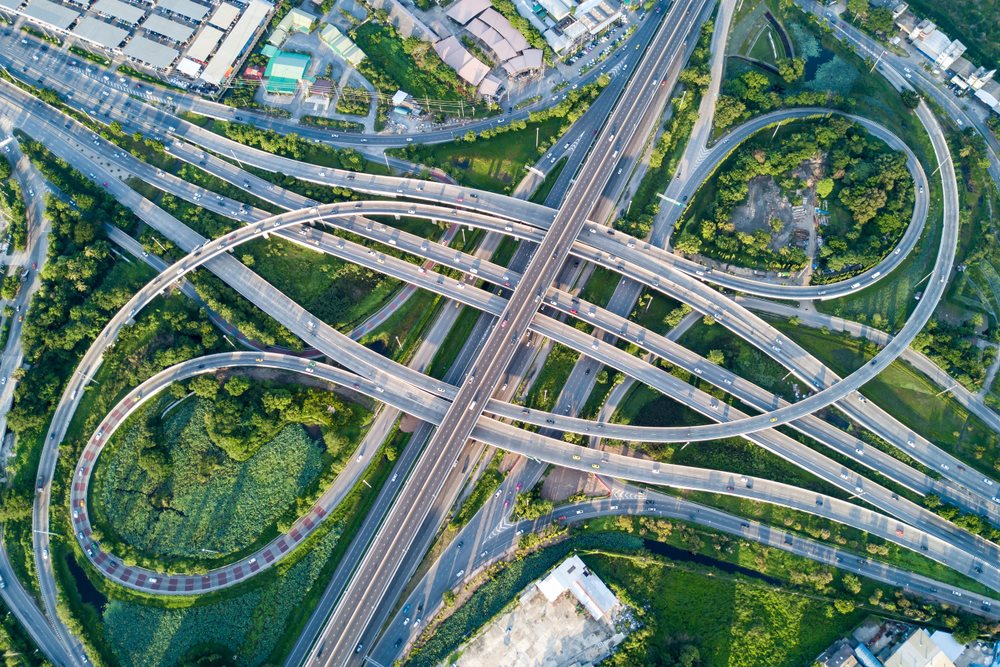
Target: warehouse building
96	31
51	14
189	10
203	45
224	15
234	46
284	71
152	54
295	20
341	45
120	11
573	576
172	30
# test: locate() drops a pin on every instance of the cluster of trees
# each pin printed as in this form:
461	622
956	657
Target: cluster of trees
568	111
245	415
973	523
72	304
955	350
396	62
292	145
531	506
354	101
12	204
868	179
876	20
754	92
638	219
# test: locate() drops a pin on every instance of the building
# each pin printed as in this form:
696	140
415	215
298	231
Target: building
172	30
150	53
296	20
566	32
94	30
221	66
939	48
192	11
573	576
204	44
469	68
918	650
50	14
120	11
495	33
284	71
341	45
224	15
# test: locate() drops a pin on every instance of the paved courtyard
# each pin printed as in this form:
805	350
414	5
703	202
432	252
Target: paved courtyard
538	633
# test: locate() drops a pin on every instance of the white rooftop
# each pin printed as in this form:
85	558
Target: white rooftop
203	45
152	53
919	650
572	575
224	15
51	13
120	10
161	25
11	4
235	42
98	32
191	10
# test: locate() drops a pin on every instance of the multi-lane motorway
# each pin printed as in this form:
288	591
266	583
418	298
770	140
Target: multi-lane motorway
556	235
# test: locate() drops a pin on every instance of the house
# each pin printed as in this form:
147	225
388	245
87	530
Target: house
918	650
573	576
284	71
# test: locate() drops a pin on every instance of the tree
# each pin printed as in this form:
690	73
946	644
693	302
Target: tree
204	386
858	9
824	187
791	69
717	357
852	584
911	99
237	385
688	244
728	110
448	597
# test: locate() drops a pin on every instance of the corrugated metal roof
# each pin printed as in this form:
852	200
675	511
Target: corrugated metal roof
152	53
234	43
51	13
191	10
97	31
224	15
202	46
161	25
120	10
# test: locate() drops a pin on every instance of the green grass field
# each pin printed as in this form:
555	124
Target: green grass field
911	398
733	623
494	164
546	387
338	292
207	503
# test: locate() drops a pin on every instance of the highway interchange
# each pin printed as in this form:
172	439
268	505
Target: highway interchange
558	233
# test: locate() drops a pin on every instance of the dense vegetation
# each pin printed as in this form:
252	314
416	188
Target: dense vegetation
495	158
13	209
410	64
638	219
16	647
696	614
219	473
838	160
80	289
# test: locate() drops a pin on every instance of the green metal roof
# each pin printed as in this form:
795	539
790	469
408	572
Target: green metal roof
284	65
